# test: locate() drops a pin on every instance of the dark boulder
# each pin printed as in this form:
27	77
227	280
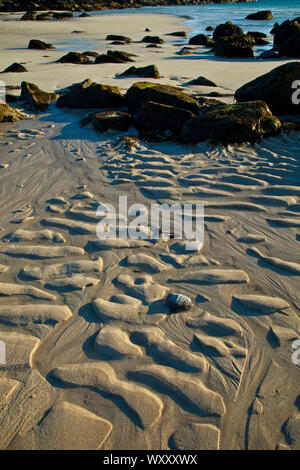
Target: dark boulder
74	58
201	40
37	44
36	98
8	114
238	46
168	95
153	40
150	71
291	48
202	81
271	54
91	95
153	46
15	68
256	34
122	55
117	120
232	124
227	30
179	34
185	51
209	28
275	88
91	53
287	38
28	16
157	118
64	15
114	57
44	16
84	15
117	37
260	16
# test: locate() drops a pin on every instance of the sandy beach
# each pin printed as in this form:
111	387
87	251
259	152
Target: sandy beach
94	357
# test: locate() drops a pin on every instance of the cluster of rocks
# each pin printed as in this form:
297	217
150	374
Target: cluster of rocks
46	16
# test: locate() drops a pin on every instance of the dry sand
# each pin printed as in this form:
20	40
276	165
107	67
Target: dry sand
94	358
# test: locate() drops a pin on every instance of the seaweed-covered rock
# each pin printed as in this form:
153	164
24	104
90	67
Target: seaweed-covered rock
275	88
149	71
118	120
232	124
9	114
156	119
140	92
15	68
91	95
37	44
201	40
36	98
153	40
264	15
75	58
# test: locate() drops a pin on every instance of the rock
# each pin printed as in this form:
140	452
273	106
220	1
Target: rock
117	120
185	51
116	37
271	54
121	55
36	98
74	58
163	94
287	38
150	71
256	34
275	88
15	68
156	118
44	16
28	16
153	40
202	81
261	42
235	123
261	16
84	15
209	28
91	54
63	15
179	302
201	40
8	114
91	95
227	30
238	46
179	34
37	44
153	46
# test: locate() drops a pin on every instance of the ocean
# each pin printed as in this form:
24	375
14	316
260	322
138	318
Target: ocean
213	14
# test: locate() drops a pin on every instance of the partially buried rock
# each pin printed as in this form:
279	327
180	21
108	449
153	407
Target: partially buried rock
179	34
84	15
28	16
232	124
150	71
117	120
74	58
117	37
260	16
15	68
115	57
168	95
91	95
157	119
275	88
271	54
202	81
36	98
153	40
63	15
185	51
8	114
37	44
201	40
179	302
